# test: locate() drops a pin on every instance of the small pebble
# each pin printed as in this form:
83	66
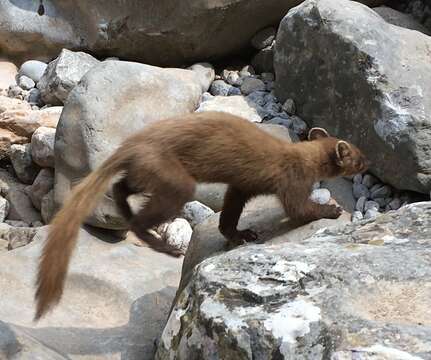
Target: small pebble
360	204
381	201
206	96
371	205
34	97
369	180
247	71
263	38
357	216
195	212
320	196
26	83
360	190
289	106
371	214
381	192
220	88
234	91
251	84
178	234
272	107
316	185
357	179
395	204
233	78
299	126
14	91
257	97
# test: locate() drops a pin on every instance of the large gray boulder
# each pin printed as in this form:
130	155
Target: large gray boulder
265	216
362	79
401	19
115	303
16	344
62	75
113	100
339	294
154	32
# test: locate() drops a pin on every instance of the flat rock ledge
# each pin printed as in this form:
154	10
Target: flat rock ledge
360	291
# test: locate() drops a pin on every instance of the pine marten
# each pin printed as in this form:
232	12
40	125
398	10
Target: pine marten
168	158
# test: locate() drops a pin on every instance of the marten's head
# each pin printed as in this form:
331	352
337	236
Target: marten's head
345	158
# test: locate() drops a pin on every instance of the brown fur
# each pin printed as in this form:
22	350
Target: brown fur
169	157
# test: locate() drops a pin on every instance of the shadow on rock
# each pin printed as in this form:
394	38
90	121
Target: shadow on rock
134	340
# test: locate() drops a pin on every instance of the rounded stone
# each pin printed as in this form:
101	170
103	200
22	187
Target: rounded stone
251	84
33	69
381	192
26	83
178	234
234	91
219	87
371	214
263	38
369	205
369	180
357	216
395	204
360	204
357	179
320	196
360	190
195	212
299	126
289	107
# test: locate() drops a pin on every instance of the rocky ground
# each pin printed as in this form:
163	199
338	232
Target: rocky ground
352	288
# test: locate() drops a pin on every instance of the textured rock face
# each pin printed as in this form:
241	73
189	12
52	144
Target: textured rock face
398	18
363	80
339	294
62	75
265	216
8	72
24	122
115	303
17	344
235	105
113	100
154	32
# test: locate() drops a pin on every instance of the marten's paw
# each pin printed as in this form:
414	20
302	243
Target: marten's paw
333	211
247	235
241	237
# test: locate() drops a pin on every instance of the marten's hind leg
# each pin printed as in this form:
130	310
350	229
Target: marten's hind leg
233	204
168	195
120	193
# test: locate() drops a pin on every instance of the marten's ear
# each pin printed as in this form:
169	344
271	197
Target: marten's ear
343	151
317	133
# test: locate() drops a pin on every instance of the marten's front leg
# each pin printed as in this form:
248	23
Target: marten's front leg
234	201
299	207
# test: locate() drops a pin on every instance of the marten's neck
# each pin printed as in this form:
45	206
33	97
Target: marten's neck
314	160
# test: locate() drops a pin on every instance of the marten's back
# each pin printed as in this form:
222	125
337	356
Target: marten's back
213	146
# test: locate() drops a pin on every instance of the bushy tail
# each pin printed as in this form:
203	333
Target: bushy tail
63	233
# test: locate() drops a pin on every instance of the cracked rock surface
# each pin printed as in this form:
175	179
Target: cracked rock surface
355	292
